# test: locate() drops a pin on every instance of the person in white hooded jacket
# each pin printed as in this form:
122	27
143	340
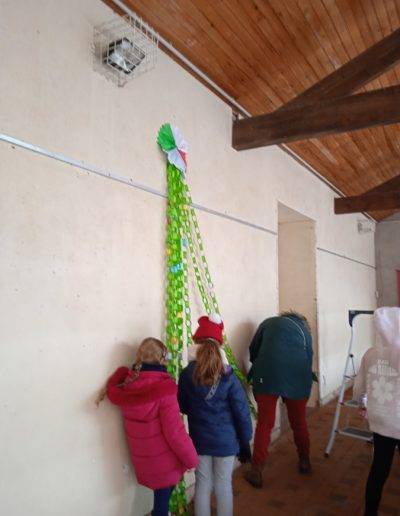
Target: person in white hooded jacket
378	380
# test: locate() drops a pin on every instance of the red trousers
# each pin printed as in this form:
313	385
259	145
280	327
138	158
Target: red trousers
296	409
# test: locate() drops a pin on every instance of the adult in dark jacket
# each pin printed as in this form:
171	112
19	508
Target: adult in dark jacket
218	414
281	356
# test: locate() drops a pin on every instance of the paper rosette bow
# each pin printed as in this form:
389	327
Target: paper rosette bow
171	141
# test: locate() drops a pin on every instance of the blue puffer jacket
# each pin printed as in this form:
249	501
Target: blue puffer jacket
220	424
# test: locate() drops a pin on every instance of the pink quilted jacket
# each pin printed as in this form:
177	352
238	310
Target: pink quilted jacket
161	450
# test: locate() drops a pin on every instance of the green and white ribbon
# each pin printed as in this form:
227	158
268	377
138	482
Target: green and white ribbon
184	247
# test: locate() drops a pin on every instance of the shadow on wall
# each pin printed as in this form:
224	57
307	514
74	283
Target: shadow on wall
240	337
119	476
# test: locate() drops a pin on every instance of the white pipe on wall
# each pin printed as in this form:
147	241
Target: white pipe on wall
80	164
121	179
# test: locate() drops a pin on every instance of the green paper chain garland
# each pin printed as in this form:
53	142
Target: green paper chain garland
178	317
184	242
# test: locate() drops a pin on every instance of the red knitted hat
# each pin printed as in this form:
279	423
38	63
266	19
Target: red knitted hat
210	327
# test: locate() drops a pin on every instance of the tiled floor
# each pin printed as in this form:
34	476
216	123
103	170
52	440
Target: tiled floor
336	486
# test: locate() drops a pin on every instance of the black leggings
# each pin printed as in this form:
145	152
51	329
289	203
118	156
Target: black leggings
384	448
161	501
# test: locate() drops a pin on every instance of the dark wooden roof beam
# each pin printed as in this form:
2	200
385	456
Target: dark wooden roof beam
368	202
385	196
388	186
318	118
353	75
326	108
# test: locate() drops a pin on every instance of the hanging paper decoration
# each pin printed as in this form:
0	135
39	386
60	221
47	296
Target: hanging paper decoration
172	143
183	242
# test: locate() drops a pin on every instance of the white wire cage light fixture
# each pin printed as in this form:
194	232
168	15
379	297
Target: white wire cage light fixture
124	48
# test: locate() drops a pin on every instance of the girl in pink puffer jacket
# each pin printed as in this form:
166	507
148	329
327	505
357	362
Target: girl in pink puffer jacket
160	448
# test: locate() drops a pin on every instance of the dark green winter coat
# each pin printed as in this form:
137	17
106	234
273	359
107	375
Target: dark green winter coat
281	356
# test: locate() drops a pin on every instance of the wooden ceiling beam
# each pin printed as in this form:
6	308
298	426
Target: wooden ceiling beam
362	69
368	202
325	108
388	186
384	196
318	118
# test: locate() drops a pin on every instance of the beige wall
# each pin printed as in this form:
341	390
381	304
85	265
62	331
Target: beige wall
82	257
387	244
341	285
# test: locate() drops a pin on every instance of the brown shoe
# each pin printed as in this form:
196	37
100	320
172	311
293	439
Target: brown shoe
305	466
254	476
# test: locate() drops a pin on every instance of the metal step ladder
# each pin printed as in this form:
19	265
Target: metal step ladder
349	373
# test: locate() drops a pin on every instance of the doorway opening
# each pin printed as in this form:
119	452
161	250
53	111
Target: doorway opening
398	287
297	277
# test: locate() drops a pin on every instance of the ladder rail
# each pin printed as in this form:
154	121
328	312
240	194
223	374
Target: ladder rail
349	359
340	398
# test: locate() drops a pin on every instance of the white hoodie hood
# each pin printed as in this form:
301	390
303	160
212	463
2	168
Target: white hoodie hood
387	326
379	375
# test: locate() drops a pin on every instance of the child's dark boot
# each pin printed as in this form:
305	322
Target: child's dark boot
305	465
254	476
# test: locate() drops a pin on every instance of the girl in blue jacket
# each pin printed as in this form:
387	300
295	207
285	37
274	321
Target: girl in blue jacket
218	414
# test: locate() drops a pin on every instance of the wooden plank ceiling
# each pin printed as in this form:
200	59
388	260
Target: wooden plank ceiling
265	52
